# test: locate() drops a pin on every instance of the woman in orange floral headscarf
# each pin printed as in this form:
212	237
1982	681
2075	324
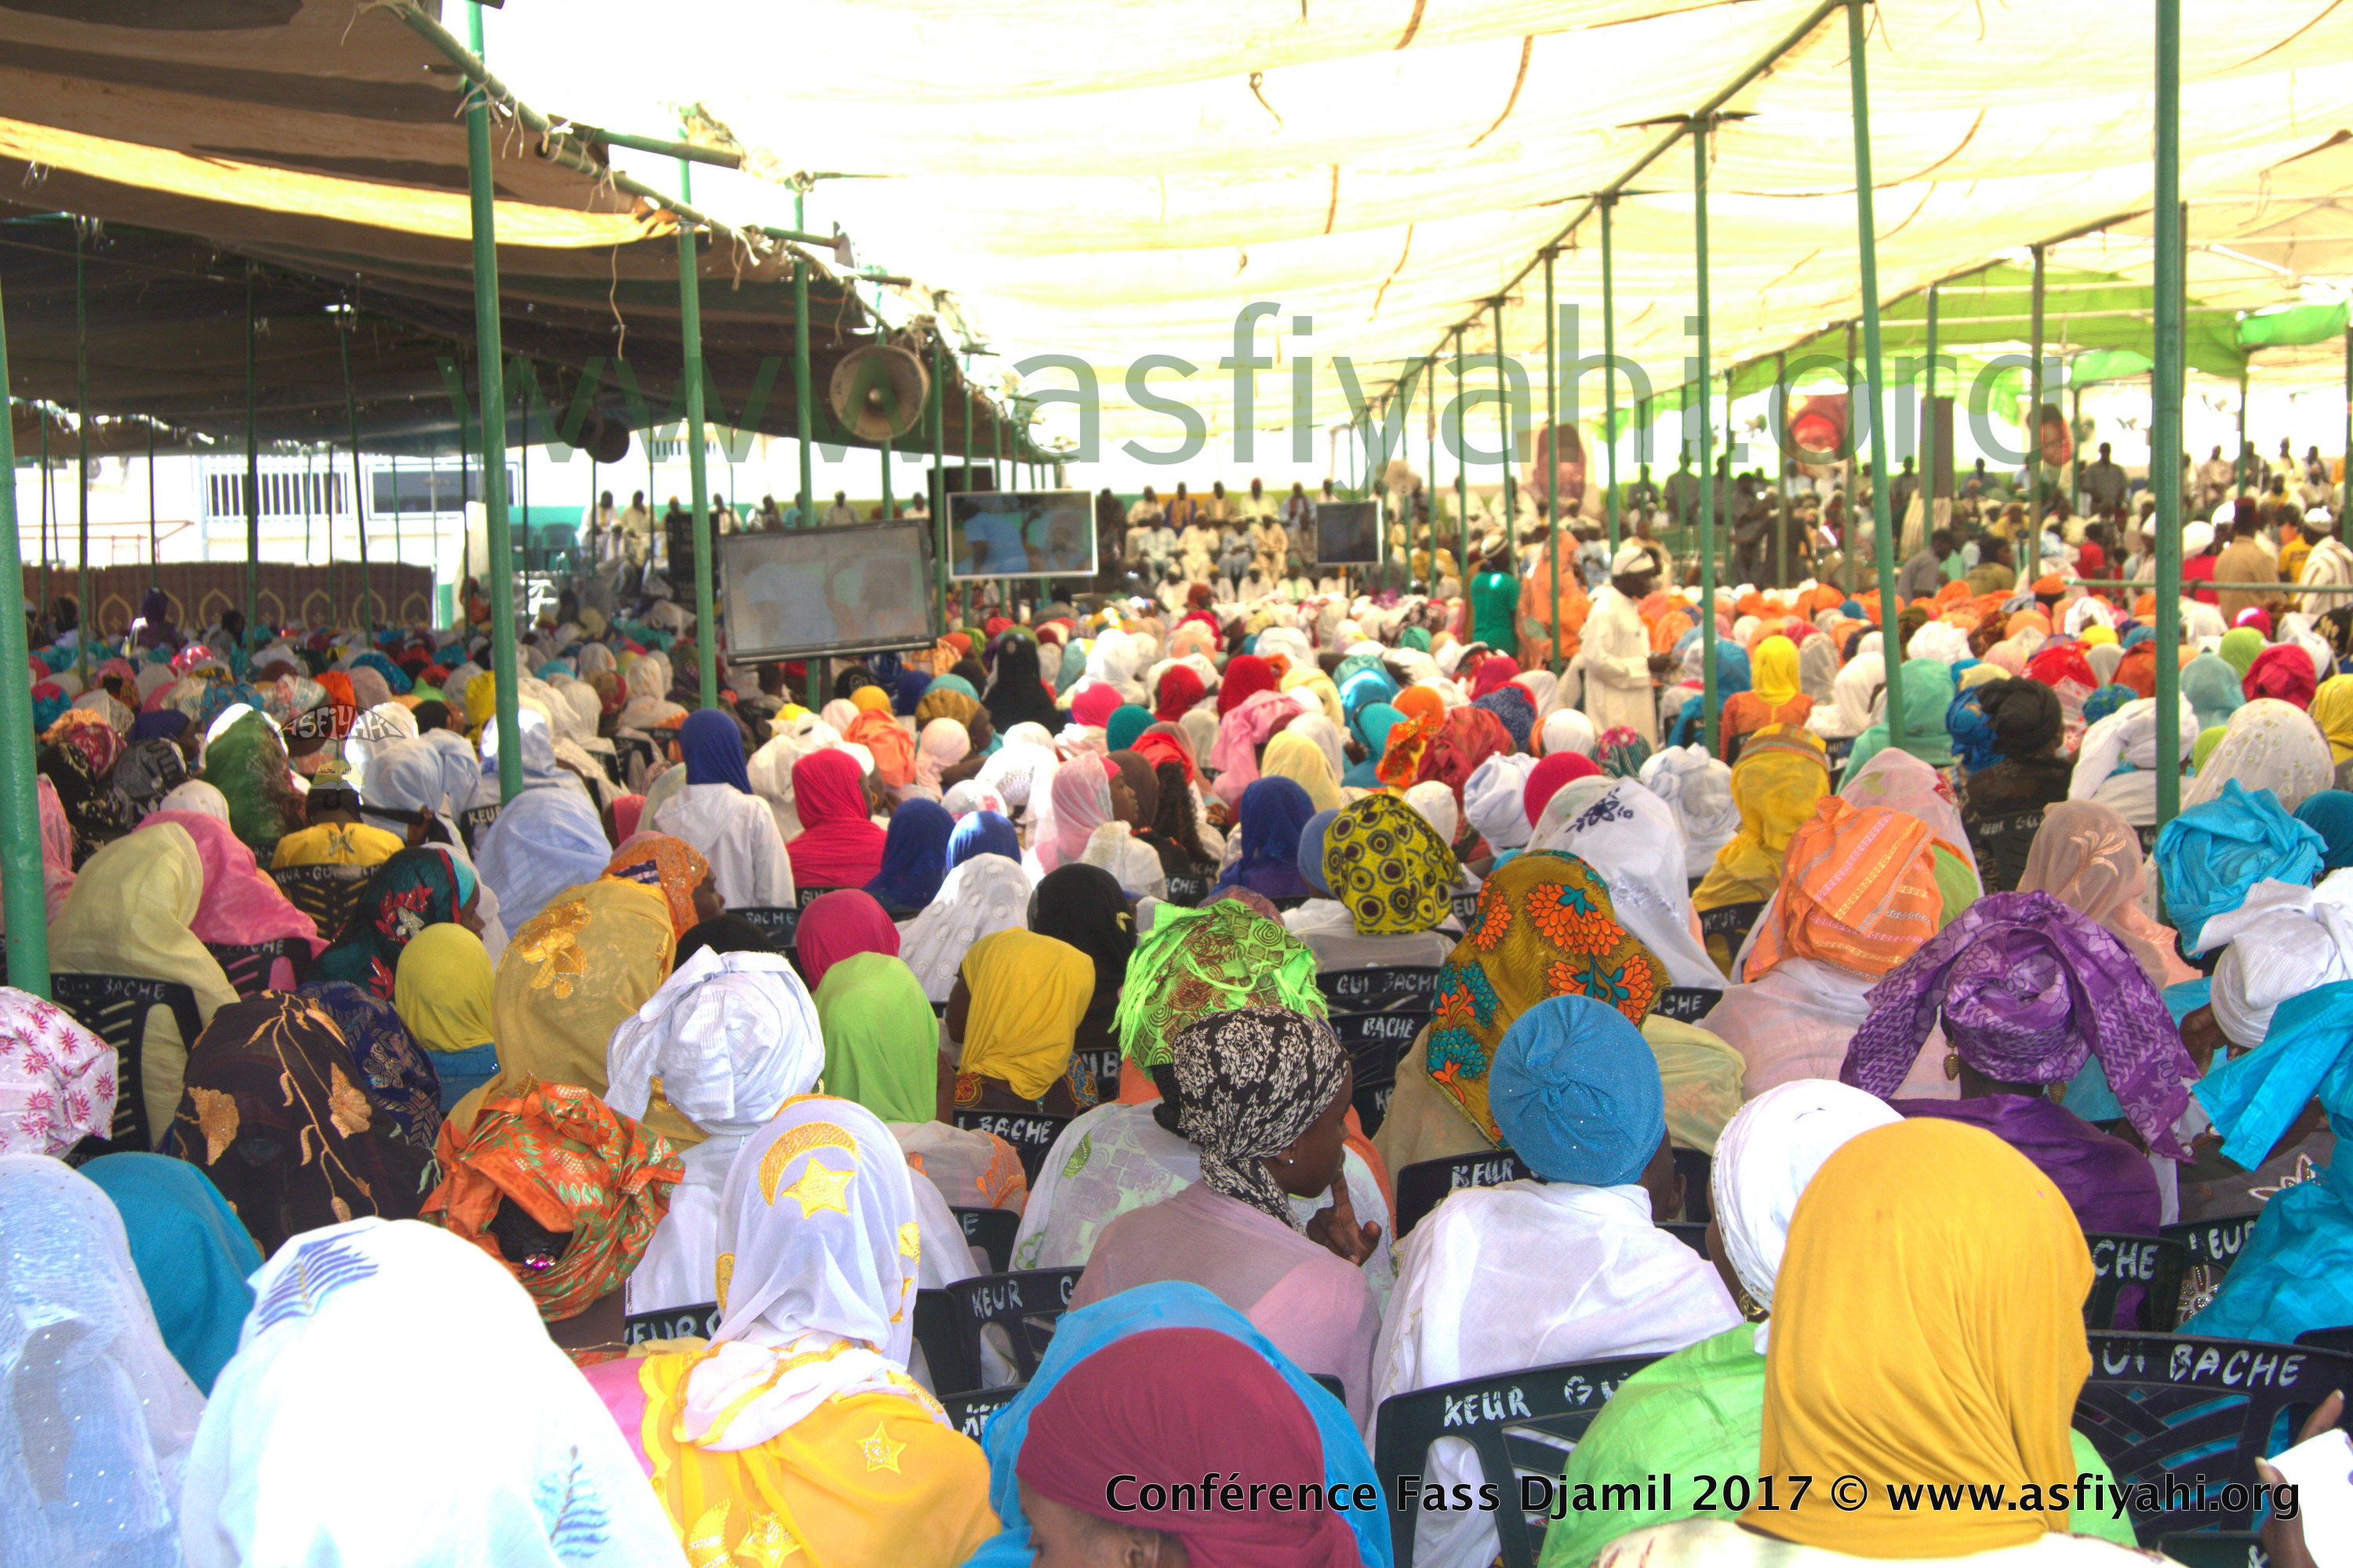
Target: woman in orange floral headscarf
673	868
558	1187
1537	609
1546	927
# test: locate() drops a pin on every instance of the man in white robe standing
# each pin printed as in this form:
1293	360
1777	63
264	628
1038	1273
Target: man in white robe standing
1615	652
2330	562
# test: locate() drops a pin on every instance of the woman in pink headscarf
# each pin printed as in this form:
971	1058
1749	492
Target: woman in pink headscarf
57	849
839	925
241	906
1081	803
944	742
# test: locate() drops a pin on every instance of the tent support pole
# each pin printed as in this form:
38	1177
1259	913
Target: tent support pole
490	360
153	547
1867	244
1507	447
1701	388
804	417
2243	466
21	880
2034	415
1552	452
252	476
359	502
1609	372
939	473
1928	457
689	331
1462	486
48	507
2165	386
2346	502
1429	485
87	619
1781	472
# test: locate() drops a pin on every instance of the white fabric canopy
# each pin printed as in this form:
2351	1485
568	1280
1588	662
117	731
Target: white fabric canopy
1112	181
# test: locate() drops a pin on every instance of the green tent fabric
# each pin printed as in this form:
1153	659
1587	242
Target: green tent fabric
2293	326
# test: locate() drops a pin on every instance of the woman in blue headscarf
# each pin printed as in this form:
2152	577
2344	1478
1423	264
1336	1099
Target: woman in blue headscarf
718	814
915	858
980	832
2329	813
192	1252
1371	725
1271	813
2213	689
1928	686
1146	1309
2212	855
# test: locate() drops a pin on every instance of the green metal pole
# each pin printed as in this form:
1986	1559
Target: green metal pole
49	507
940	473
1929	454
1608	366
1781	487
804	416
2034	417
153	547
359	497
88	625
2243	467
1699	130
1552	449
1507	449
1846	567
2346	505
1867	243
1429	485
252	479
2165	426
690	327
20	813
1462	481
491	400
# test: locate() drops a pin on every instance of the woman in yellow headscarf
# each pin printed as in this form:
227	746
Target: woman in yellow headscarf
128	914
1300	760
1780	775
1017	1006
585	962
442	992
2332	710
1317	681
1772	697
1927	1327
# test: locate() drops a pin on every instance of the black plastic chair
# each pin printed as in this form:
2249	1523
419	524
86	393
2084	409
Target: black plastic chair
2213	1246
1331	1385
992	1230
1466	908
247	967
1523	1424
1731	921
1421	1186
1695	1169
1031	1135
2336	1341
1187	890
327	893
2153	1264
1101	1061
1025	1306
2156	1405
2005	841
804	896
672	1323
1378	991
2214	1549
474	822
1687	1004
1376	1042
775	922
969	1413
114	1008
637	758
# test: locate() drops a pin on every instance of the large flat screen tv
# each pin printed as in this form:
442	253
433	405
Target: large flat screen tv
1021	534
1348	533
807	592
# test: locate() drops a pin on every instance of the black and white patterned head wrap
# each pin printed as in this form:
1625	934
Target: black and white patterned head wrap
1250	1082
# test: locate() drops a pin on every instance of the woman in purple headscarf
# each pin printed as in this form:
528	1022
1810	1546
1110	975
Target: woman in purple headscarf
2026	989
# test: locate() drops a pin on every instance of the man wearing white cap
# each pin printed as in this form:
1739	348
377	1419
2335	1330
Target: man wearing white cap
2329	563
1615	653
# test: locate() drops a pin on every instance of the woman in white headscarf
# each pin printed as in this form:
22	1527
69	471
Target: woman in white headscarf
1629	838
1698	790
1818	668
1113	661
289	1467
706	1062
770	768
2128	736
1568	730
1854	703
981	896
99	1416
1493	801
797	1430
407	777
2269	744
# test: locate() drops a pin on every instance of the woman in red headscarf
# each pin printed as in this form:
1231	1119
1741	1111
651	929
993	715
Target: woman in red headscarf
1180	689
838	844
1246	676
2285	672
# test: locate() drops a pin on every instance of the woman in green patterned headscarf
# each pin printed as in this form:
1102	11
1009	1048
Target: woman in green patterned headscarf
247	763
1215	959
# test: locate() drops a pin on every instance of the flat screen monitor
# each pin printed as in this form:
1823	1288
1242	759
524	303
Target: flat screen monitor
1021	534
807	592
1348	533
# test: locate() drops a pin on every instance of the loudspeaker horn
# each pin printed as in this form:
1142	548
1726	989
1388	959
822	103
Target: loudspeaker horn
604	437
878	391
